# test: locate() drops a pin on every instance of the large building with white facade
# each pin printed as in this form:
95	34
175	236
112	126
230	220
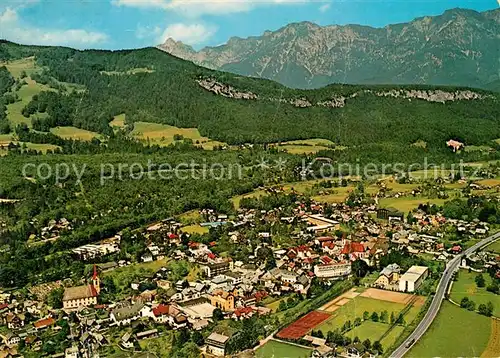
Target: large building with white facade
413	278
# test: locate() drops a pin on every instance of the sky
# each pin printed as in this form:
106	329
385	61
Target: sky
119	24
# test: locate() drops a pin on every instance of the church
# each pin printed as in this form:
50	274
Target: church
82	296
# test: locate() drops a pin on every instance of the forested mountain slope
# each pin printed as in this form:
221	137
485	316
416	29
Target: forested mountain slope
459	47
149	85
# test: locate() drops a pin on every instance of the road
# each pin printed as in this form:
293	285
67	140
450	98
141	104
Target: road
438	298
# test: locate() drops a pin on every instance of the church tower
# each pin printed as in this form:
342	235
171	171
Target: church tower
96	281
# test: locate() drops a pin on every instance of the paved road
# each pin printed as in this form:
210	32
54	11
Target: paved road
438	298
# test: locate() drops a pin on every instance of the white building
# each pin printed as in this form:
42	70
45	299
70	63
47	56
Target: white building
413	278
332	270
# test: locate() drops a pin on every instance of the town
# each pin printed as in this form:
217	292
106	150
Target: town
287	275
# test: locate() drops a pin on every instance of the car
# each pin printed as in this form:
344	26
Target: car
410	343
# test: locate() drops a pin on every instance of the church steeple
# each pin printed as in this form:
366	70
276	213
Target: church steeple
96	281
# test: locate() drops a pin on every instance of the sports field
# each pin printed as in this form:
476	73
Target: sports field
455	332
465	286
278	349
353	304
303	325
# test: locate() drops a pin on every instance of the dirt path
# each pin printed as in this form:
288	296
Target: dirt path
493	348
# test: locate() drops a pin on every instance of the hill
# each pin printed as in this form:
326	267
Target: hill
87	89
459	47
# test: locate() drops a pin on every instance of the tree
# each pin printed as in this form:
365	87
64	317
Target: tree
360	268
197	338
393	318
480	282
218	315
374	317
366	315
54	298
383	316
486	309
367	344
357	322
378	347
356	340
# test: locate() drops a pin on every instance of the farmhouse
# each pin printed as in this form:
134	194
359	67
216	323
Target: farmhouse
413	278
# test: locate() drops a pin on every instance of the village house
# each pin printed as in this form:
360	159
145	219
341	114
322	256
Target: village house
127	314
389	277
169	314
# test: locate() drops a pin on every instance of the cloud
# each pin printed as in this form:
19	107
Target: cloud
14	30
196	8
144	32
324	8
191	34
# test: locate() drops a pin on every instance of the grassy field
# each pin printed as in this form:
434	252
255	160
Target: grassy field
16	67
133	71
407	204
465	286
276	303
40	147
278	349
374	332
163	134
73	133
118	121
489	182
495	247
25	93
339	195
254	194
357	306
195	229
454	333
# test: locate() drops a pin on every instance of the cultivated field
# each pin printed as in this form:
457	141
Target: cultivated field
303	325
489	182
465	286
455	332
278	349
73	133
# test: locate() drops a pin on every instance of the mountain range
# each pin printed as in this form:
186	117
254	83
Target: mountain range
460	47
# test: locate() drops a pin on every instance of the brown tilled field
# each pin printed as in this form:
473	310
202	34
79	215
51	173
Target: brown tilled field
391	296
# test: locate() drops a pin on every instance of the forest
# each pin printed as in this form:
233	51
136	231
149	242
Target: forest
166	91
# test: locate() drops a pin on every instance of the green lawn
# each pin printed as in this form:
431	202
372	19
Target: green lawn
276	349
454	333
357	306
466	287
374	332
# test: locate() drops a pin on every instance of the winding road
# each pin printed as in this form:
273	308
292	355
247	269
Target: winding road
438	298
